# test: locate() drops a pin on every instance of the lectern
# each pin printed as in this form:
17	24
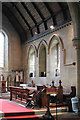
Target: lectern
48	114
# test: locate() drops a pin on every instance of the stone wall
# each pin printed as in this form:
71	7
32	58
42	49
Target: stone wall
16	56
67	73
13	49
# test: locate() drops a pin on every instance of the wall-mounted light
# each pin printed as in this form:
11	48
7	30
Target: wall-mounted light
35	33
51	27
74	63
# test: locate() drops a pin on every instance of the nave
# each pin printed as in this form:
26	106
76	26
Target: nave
40	57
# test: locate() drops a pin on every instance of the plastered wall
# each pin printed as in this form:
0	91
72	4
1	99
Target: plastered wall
17	56
67	73
13	50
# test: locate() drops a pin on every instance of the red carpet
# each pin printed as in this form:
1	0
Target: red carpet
9	107
14	111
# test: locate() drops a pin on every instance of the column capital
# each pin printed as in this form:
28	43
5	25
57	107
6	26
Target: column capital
76	42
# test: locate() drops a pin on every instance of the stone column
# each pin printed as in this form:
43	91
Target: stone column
37	68
75	11
76	43
48	69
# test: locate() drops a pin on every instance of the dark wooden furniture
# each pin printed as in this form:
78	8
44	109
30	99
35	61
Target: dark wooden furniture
39	96
19	94
60	92
64	92
3	86
71	94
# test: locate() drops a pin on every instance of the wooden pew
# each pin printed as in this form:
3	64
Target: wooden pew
21	94
18	94
64	92
57	93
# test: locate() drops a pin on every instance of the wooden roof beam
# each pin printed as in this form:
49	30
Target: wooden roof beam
31	16
64	10
41	15
29	13
51	12
15	22
22	16
23	19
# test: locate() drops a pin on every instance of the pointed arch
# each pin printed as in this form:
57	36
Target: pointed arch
56	36
32	53
34	46
45	44
42	60
3	49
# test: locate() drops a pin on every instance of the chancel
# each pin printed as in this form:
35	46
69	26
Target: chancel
39	60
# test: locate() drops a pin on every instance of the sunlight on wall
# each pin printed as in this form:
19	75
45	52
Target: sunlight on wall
2	37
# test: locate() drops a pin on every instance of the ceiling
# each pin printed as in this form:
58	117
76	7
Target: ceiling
33	18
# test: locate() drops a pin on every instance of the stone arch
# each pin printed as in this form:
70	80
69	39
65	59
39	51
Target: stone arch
5	56
45	44
5	31
32	62
42	60
56	36
54	52
32	45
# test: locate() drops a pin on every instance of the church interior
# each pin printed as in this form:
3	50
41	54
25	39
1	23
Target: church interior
40	60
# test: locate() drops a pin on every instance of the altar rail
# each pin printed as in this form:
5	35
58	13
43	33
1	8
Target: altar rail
22	94
19	94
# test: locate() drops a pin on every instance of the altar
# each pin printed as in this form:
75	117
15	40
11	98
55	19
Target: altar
29	88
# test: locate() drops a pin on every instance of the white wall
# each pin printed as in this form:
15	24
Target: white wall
68	73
